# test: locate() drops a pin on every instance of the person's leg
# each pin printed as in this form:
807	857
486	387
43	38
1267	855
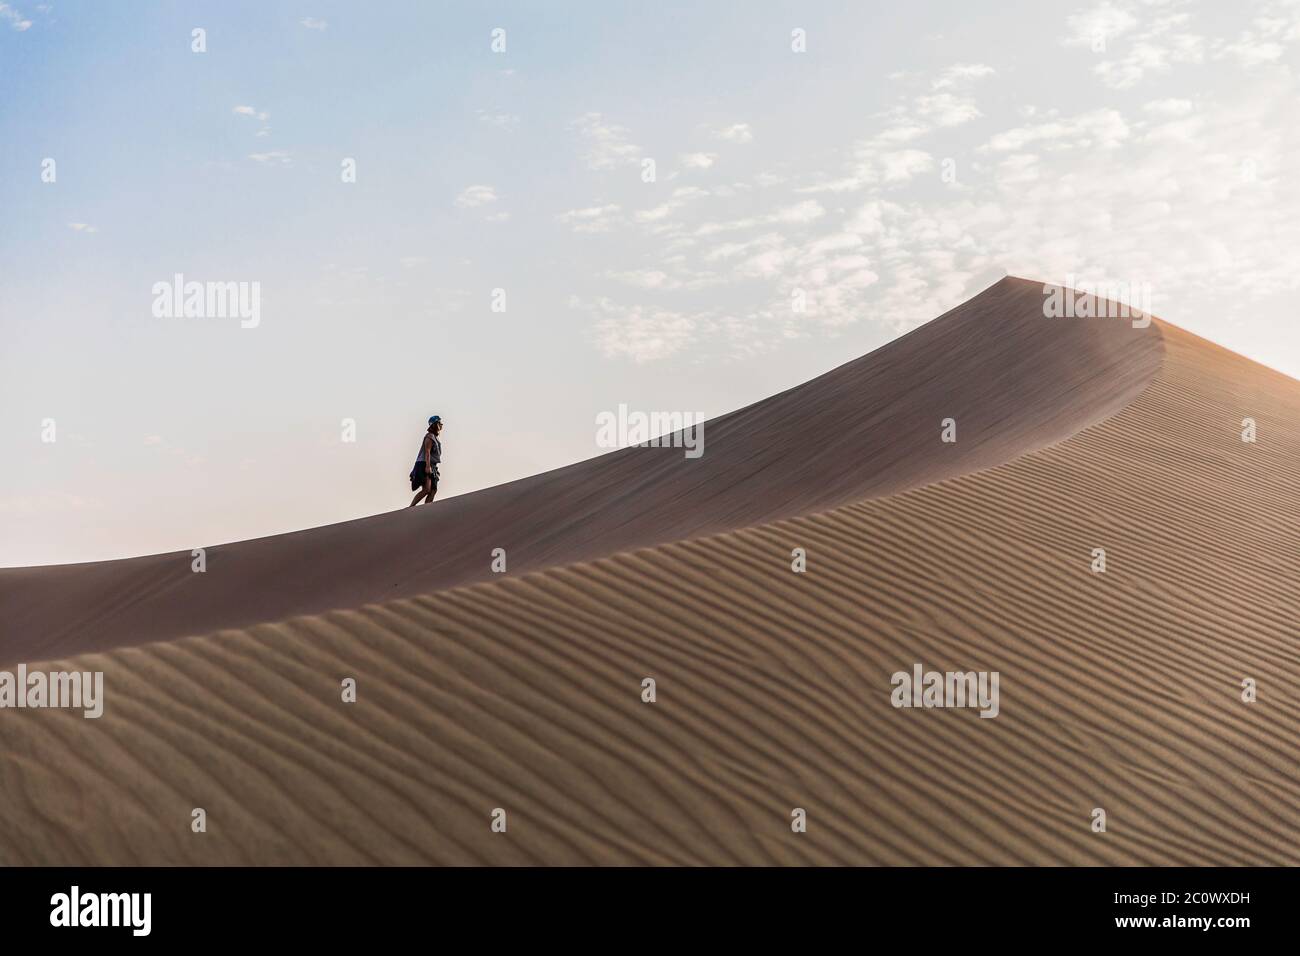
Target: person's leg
429	490
417	474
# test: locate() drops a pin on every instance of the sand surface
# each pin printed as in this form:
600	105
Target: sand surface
869	428
1119	690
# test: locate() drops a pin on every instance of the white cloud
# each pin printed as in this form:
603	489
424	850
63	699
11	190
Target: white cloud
607	145
592	219
1095	28
946	109
1145	57
681	196
1250	51
960	74
729	250
1135	47
1176	132
835	242
800	213
311	23
276	157
655	213
902	165
1265	40
16	20
1178	188
82	227
262	116
879	159
1168	107
638	333
1017	169
736	133
698	160
1104	128
473	196
842	184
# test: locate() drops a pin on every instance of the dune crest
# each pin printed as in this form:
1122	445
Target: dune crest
1013	380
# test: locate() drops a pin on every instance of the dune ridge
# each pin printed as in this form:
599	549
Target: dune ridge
1120	690
866	429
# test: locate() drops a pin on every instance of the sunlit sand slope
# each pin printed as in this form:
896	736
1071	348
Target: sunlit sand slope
1119	690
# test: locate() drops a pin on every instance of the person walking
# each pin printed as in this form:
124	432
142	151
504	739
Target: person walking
424	476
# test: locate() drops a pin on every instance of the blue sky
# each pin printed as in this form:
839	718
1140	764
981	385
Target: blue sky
1132	141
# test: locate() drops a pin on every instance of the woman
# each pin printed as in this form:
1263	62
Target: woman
424	476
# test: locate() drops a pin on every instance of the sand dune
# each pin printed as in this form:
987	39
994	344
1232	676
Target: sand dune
866	429
1119	690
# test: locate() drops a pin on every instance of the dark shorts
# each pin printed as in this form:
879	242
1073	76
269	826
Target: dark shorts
418	474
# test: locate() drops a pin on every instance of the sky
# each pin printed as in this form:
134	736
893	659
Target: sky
521	216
